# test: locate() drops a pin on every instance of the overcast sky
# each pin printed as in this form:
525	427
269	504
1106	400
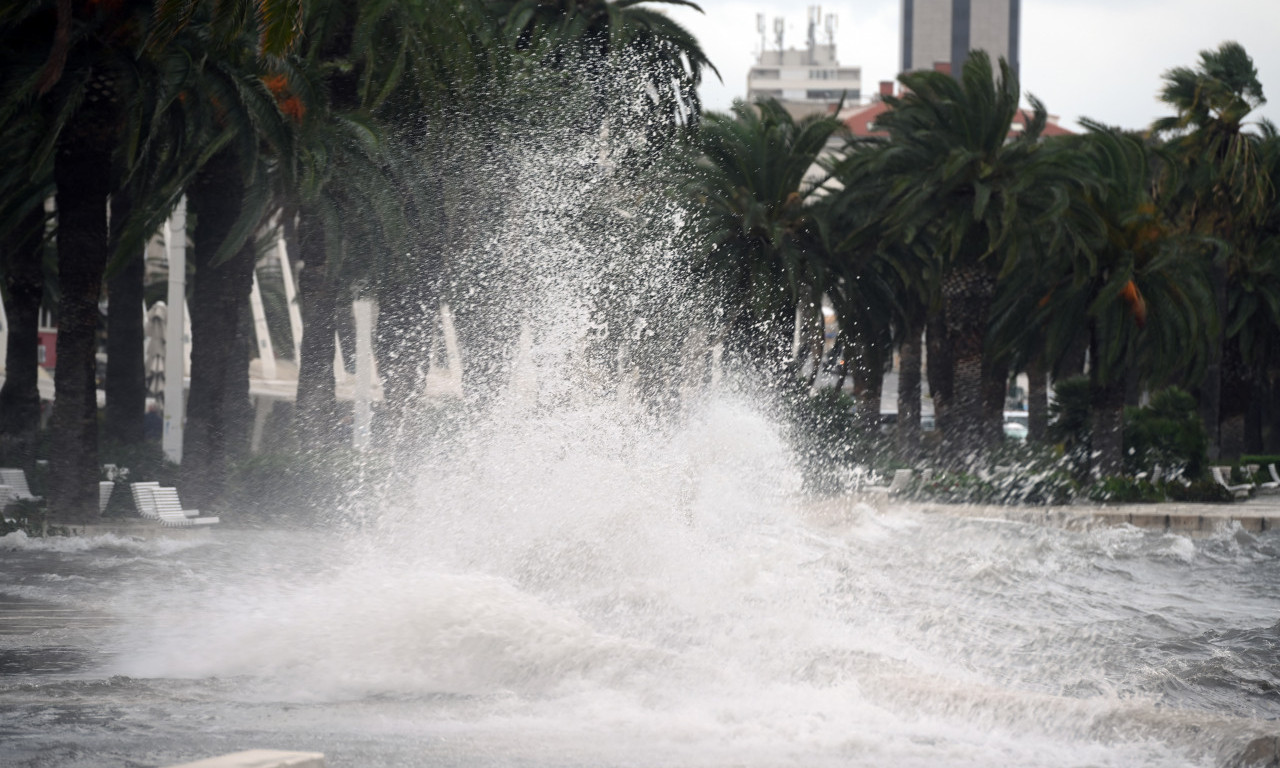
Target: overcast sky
1097	58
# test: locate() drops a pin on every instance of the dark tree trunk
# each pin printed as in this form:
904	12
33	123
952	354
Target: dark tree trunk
938	368
967	293
220	293
126	385
908	425
1037	401
995	388
24	282
868	386
844	350
1073	359
238	407
1106	416
315	411
1257	416
1106	427
1236	390
1212	397
83	178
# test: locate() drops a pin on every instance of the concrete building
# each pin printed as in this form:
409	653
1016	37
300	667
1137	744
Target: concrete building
938	32
805	80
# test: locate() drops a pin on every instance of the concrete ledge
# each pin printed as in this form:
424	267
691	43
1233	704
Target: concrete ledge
260	758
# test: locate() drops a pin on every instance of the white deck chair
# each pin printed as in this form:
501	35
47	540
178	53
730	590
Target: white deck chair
169	507
105	487
901	481
17	480
1273	485
1239	491
143	500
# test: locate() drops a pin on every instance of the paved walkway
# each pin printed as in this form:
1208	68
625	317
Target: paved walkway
1254	515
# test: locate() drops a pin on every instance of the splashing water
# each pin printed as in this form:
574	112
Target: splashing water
578	578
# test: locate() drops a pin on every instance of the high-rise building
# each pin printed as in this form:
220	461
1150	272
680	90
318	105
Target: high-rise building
808	79
942	32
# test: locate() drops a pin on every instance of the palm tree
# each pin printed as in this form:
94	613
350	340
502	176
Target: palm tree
596	33
757	217
1129	287
956	179
1218	186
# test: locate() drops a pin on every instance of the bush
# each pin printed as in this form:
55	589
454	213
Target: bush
30	518
1125	490
1199	491
1167	433
1069	422
1025	485
822	431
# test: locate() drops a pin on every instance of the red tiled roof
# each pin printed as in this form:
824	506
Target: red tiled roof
861	120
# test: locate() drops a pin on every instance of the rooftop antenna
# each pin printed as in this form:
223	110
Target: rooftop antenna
830	24
815	16
760	29
779	27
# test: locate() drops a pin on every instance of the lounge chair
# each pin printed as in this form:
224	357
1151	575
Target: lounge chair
169	507
1239	491
143	500
901	481
105	487
16	479
1272	485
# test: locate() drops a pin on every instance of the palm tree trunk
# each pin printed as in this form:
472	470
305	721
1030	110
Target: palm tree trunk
1106	416
868	386
1106	429
238	406
24	282
908	425
939	370
1236	394
315	410
83	179
1211	396
967	293
126	384
1037	400
220	293
995	388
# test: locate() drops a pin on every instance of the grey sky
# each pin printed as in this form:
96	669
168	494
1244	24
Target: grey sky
1097	58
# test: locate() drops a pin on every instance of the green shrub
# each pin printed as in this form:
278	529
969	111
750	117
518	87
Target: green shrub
1125	490
823	433
1199	491
1025	485
1168	433
1069	423
1261	460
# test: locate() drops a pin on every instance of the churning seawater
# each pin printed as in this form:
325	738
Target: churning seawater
604	569
576	592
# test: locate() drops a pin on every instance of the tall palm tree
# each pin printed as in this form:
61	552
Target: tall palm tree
955	177
596	33
756	208
1130	288
1219	188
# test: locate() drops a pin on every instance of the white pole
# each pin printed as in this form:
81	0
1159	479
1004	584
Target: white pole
266	353
175	240
291	300
363	309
